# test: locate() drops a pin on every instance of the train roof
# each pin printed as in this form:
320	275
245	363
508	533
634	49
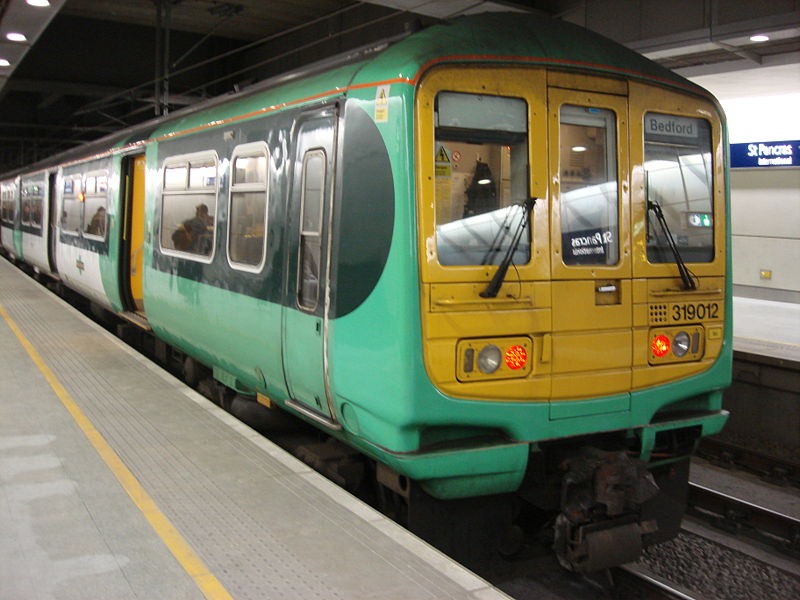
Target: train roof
518	37
489	38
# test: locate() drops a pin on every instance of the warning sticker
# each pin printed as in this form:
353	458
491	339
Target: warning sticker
443	167
382	104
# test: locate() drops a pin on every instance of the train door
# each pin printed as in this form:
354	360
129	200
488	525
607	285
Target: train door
591	250
132	249
305	323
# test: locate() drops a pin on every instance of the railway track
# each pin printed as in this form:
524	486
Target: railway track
769	468
741	518
633	579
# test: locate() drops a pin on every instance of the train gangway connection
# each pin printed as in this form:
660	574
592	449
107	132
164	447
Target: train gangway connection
119	481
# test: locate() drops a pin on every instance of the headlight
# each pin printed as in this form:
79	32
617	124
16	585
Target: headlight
489	359
680	344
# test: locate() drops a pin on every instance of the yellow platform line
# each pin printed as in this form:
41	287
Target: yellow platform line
209	585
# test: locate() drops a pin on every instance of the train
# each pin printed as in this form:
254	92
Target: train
491	258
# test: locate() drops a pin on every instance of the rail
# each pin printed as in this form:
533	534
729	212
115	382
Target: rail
739	517
646	584
769	468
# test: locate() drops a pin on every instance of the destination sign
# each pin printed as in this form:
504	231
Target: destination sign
670	125
765	154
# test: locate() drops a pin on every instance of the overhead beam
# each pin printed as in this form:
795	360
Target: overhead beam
62	88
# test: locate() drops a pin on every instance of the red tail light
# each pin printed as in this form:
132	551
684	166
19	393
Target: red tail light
660	346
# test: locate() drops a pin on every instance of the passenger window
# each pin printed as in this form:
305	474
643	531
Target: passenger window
481	169
72	207
32	198
25	219
9	206
248	206
189	204
313	188
95	211
678	170
588	175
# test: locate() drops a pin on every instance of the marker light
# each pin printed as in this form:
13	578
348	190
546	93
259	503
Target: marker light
516	357
489	359
660	346
680	344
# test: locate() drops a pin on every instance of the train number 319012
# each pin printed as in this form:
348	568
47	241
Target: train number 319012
698	311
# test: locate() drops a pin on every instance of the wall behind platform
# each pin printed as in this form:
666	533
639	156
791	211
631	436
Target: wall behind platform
765	208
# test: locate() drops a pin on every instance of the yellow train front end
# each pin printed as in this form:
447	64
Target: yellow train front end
573	259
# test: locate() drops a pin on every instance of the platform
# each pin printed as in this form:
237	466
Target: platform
766	328
119	482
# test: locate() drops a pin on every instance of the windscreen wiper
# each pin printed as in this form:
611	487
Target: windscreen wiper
686	276
493	287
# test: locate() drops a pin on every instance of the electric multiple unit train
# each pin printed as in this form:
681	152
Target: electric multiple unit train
493	257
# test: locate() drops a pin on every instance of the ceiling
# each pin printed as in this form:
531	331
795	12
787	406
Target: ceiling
91	67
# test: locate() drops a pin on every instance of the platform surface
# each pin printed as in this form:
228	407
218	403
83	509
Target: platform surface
119	482
766	328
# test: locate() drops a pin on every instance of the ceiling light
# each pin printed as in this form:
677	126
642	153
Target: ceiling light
484	181
4	63
39	3
579	148
16	37
759	38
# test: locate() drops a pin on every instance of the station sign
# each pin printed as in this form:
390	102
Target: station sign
765	154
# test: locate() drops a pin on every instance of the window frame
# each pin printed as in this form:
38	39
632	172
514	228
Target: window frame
646	98
612	149
709	169
249	150
517	81
186	190
25	198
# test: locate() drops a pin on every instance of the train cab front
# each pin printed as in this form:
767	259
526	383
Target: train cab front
574	286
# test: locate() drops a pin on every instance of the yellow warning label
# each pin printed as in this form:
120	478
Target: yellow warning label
382	104
443	167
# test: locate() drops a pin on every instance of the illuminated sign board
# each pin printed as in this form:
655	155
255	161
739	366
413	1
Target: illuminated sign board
766	154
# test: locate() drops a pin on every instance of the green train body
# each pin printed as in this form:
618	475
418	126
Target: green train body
357	166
